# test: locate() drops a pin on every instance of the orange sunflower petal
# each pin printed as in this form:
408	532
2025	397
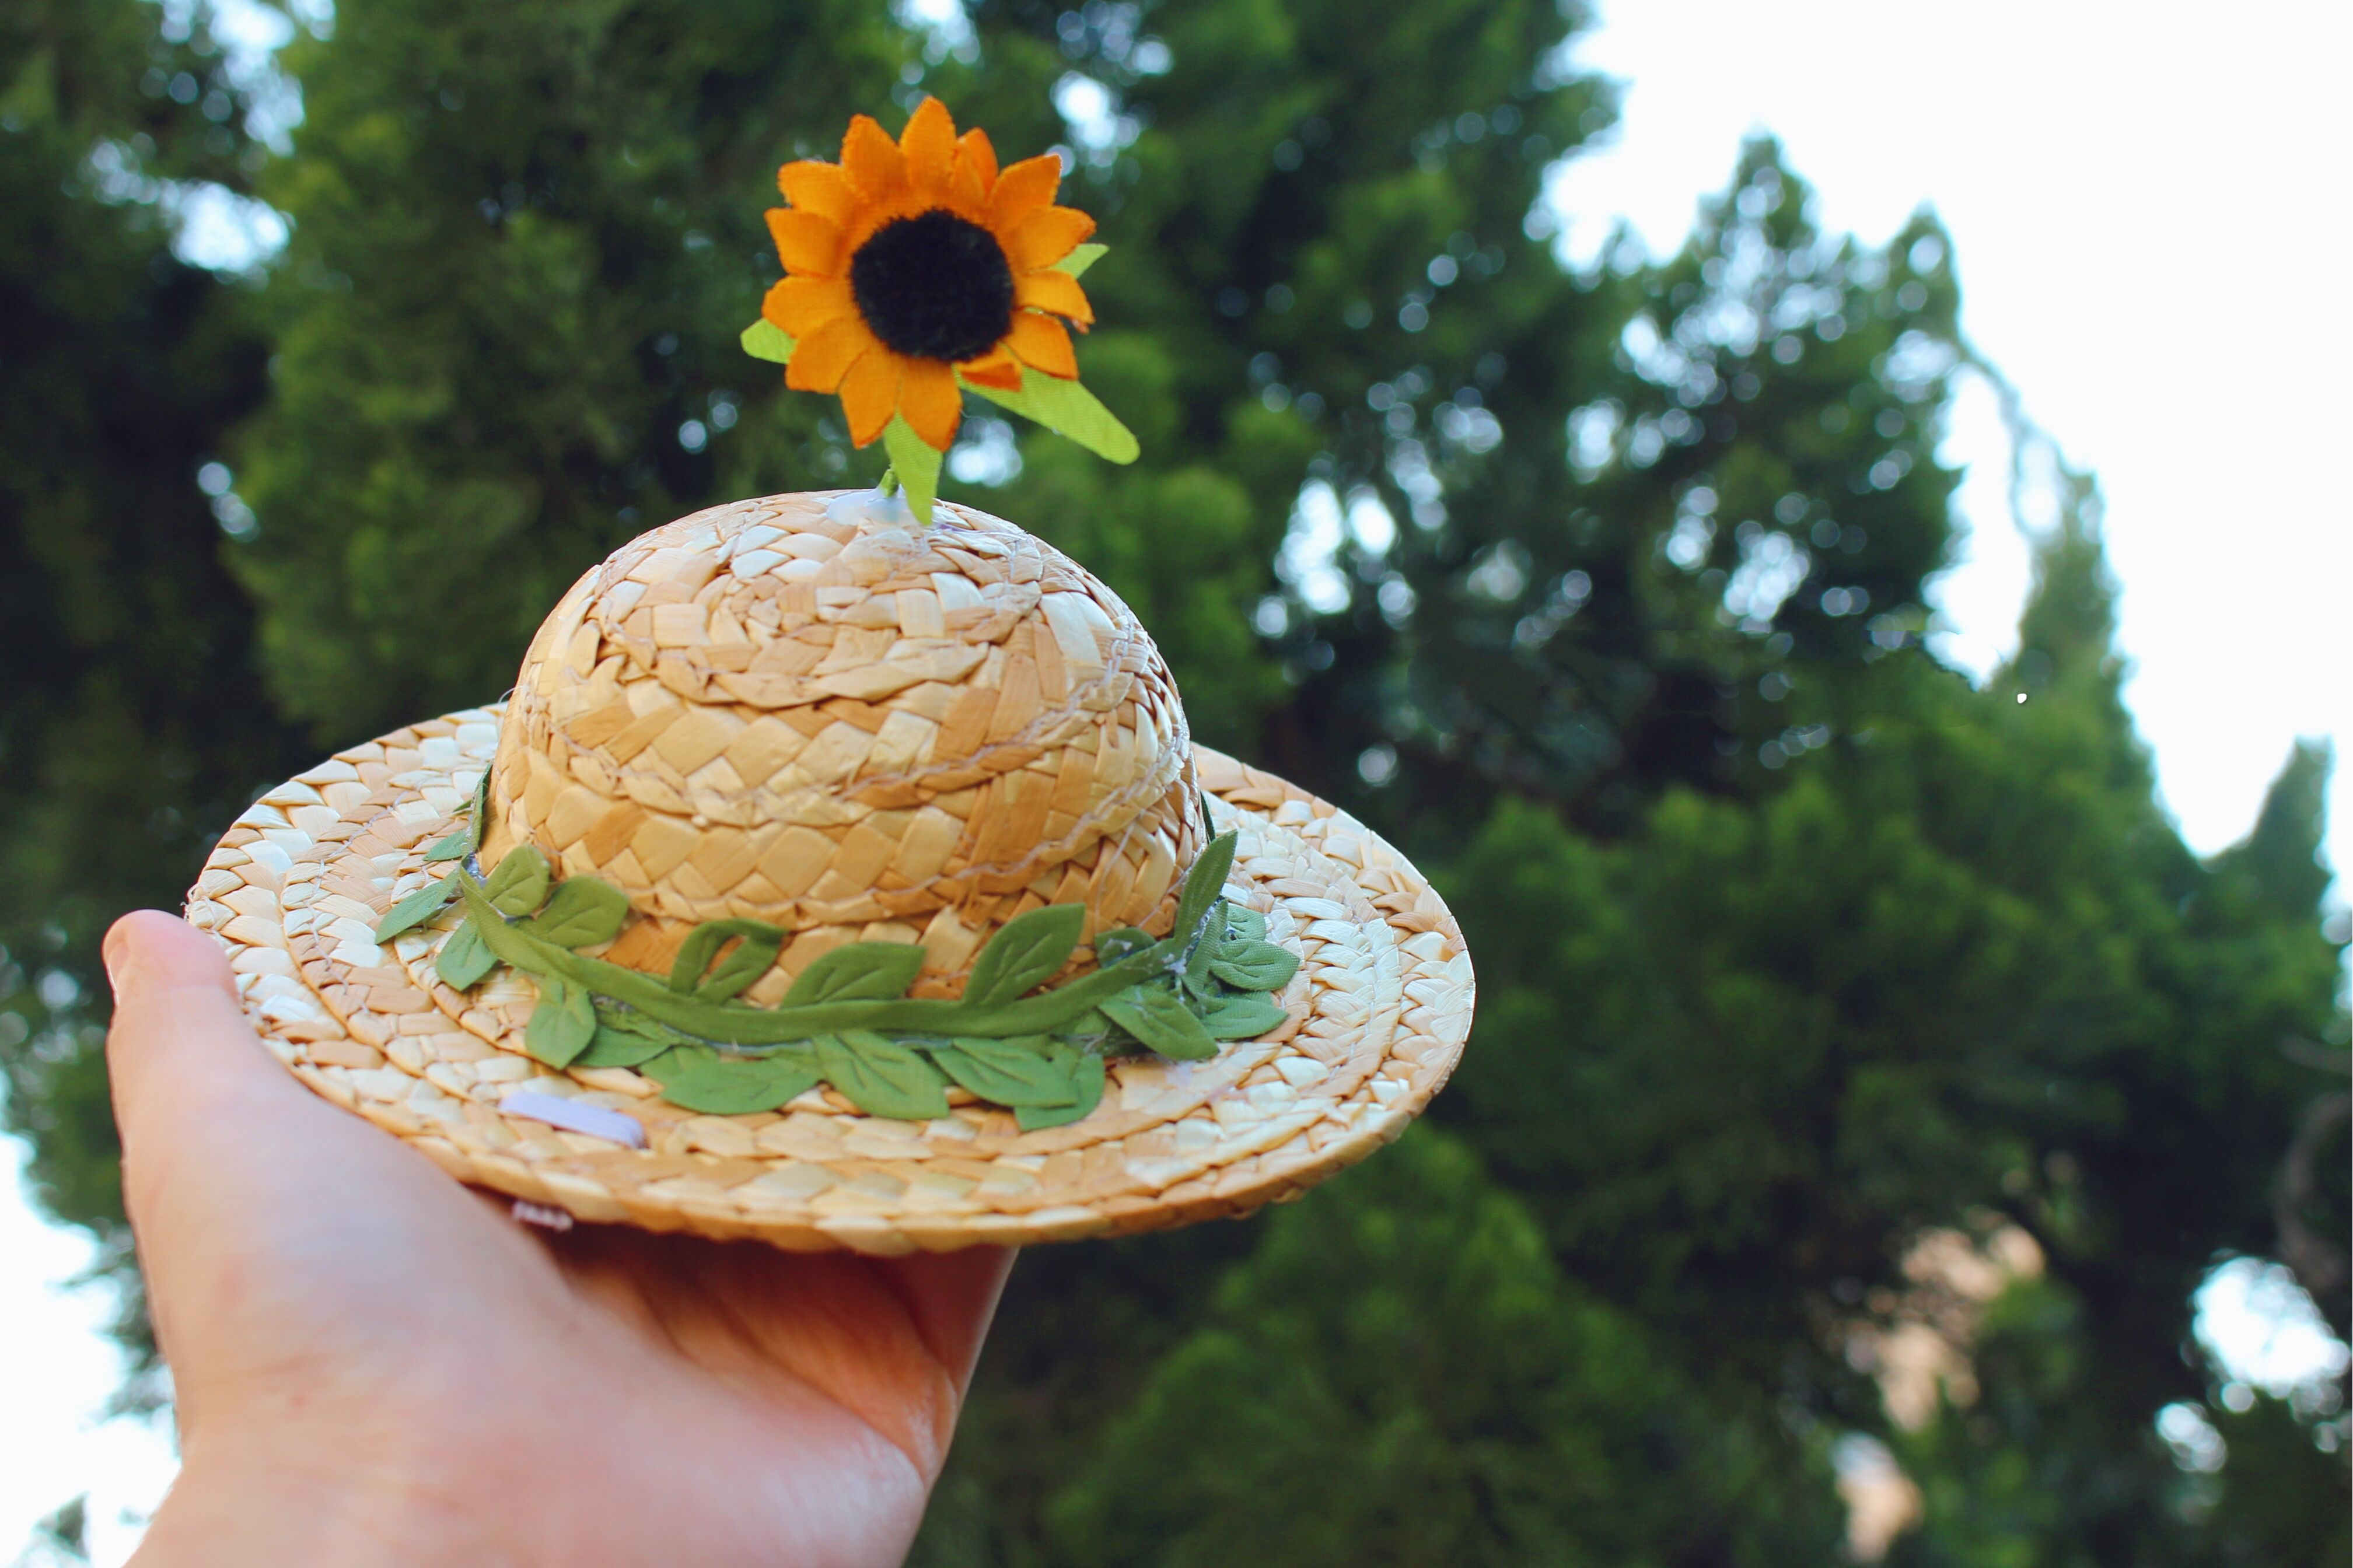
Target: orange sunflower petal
1045	237
976	153
928	145
996	368
1053	292
929	401
825	355
966	190
1042	343
806	242
872	159
801	305
869	394
819	188
1022	190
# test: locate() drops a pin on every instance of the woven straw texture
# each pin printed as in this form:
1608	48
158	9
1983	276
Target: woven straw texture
1379	1013
810	711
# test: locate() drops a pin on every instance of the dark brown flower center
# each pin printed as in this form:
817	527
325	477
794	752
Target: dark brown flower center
934	285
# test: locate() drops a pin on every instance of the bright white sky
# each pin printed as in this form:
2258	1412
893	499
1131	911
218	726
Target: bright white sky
2140	214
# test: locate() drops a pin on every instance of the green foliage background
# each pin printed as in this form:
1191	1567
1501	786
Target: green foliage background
1793	946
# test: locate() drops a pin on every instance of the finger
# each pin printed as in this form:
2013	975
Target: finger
952	1297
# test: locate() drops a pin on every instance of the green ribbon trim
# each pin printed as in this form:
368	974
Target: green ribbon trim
848	1019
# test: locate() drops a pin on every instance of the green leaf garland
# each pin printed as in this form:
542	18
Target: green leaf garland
464	959
1161	1020
848	1019
1008	1072
417	908
756	946
563	1024
882	1076
1024	954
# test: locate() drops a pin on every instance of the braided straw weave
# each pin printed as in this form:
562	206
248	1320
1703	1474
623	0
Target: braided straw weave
900	802
810	711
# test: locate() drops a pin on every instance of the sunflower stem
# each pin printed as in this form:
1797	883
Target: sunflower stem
888	485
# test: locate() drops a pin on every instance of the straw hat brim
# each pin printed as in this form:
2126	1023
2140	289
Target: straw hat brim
1380	1011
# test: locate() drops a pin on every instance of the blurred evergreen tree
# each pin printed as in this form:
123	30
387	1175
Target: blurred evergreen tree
133	727
1599	592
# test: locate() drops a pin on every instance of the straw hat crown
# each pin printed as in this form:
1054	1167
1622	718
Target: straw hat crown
810	711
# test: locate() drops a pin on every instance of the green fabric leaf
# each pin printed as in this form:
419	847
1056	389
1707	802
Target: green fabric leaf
1068	409
1113	945
620	1048
562	1024
584	912
1024	954
1205	884
745	963
417	908
766	339
1081	258
860	972
915	463
1254	965
1162	1021
1242	1017
884	1076
737	1086
465	958
519	885
1085	1076
1244	925
457	847
1196	978
1019	1071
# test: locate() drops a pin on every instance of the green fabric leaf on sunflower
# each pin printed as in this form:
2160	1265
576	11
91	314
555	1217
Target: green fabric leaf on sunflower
766	339
1082	258
915	464
1067	409
884	1076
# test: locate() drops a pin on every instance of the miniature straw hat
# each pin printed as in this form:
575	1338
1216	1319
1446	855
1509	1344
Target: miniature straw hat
810	714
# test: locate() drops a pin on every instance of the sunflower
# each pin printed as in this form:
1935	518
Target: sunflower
915	267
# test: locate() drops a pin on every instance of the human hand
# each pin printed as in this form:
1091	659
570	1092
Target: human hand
373	1364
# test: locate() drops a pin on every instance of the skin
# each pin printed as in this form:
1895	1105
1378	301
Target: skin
373	1364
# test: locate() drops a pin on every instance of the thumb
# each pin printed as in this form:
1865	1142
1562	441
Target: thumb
187	1067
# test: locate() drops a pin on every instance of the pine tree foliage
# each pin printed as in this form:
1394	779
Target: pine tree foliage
133	727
